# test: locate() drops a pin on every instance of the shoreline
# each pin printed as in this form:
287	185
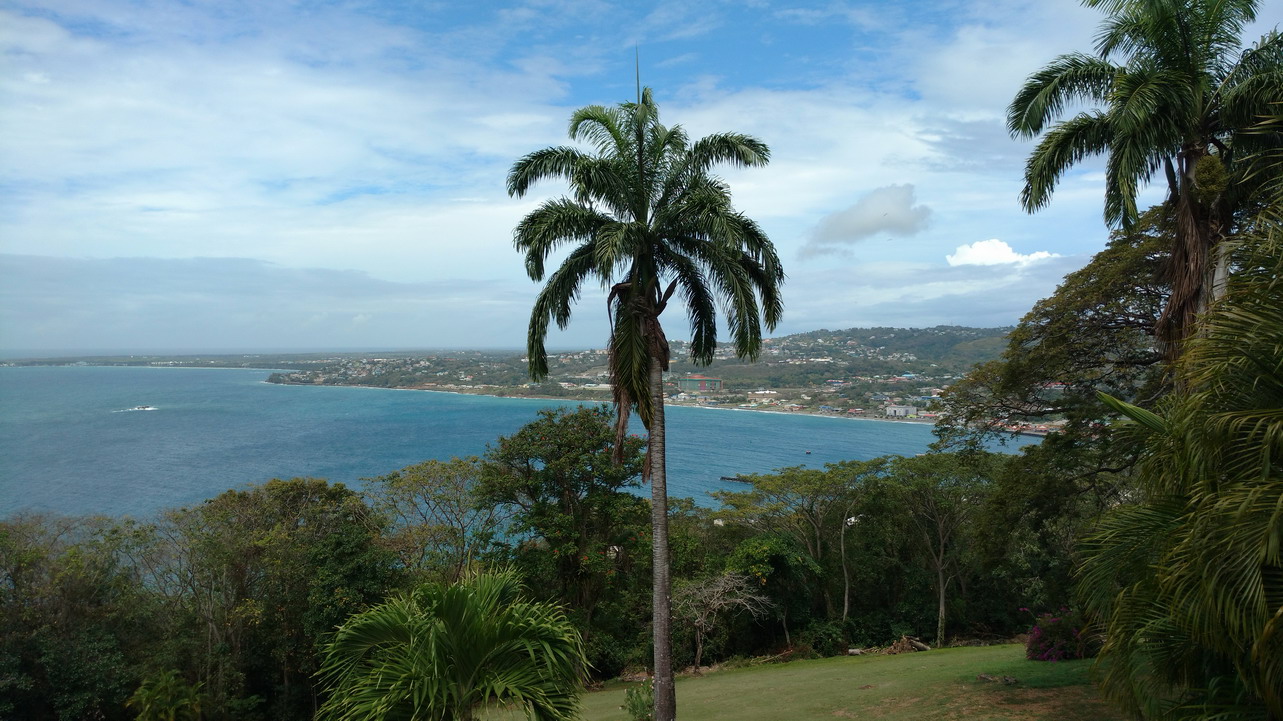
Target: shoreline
465	392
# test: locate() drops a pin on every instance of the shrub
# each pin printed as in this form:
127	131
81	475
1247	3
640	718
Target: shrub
1062	636
822	638
639	701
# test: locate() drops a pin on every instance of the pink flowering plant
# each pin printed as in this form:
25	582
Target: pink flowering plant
1060	636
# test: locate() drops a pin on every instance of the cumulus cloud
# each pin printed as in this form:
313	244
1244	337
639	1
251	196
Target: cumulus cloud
888	210
993	252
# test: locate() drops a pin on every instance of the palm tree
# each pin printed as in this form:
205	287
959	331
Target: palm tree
444	651
166	696
1189	583
1175	93
648	220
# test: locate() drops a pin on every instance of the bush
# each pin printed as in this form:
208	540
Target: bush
639	701
1060	636
822	638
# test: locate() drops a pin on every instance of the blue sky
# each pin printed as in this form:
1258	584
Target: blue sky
220	174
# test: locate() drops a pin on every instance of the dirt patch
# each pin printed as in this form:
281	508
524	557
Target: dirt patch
1032	704
1062	703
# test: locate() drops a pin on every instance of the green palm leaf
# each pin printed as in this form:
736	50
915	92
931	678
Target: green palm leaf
444	651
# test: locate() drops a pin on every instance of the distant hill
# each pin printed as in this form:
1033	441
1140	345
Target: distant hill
800	360
943	344
814	357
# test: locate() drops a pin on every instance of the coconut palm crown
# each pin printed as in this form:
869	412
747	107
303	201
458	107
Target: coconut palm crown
1175	92
647	219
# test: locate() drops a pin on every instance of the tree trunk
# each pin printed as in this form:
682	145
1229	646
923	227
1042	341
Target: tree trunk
1195	267
846	570
665	693
940	582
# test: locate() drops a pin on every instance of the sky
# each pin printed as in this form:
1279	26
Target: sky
272	175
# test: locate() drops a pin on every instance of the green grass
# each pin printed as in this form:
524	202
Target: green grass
937	684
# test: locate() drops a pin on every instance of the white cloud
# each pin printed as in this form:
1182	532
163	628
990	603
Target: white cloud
993	252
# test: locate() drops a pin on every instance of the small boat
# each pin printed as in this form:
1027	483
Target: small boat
739	479
139	408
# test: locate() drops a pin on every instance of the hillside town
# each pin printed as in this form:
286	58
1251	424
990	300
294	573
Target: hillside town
884	373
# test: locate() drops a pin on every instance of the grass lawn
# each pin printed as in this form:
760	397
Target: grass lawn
938	684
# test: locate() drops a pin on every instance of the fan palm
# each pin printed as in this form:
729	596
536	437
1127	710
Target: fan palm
444	651
1175	93
647	219
1189	583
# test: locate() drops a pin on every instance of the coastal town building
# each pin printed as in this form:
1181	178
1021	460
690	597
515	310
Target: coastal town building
691	384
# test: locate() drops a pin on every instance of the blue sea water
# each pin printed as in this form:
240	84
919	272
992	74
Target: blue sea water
69	445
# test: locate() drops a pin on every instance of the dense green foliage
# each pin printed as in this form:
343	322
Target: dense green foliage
437	529
575	526
444	651
1188	582
1062	635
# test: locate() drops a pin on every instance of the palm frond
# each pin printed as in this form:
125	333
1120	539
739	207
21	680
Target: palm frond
1253	88
735	149
629	358
602	127
555	302
1072	78
558	162
442	651
1063	146
553	224
701	309
1133	160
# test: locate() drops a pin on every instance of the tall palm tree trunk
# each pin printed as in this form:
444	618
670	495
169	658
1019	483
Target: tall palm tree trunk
665	693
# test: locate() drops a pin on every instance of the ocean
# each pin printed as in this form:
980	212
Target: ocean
70	443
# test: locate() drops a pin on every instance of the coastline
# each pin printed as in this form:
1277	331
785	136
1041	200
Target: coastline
457	390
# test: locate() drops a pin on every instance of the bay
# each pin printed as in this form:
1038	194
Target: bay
69	443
